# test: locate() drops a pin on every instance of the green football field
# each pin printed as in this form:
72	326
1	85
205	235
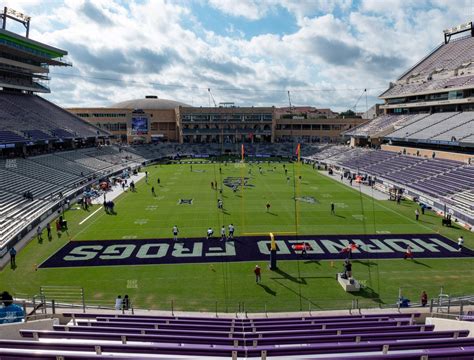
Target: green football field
228	286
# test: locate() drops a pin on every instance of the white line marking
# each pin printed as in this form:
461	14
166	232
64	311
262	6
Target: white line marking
87	218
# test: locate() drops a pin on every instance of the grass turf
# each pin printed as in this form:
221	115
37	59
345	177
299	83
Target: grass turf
298	285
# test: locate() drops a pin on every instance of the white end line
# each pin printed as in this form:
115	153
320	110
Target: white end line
87	218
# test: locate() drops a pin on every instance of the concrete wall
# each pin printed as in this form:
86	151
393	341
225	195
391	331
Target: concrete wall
428	153
11	331
448	325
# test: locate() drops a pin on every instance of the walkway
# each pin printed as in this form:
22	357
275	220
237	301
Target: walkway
367	190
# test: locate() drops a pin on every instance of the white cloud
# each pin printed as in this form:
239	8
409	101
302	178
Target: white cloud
161	47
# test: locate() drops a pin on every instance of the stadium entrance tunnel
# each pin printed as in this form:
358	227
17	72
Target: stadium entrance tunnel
250	248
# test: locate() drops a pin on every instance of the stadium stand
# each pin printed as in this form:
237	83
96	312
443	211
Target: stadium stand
383	336
384	124
453	58
50	179
25	118
447	180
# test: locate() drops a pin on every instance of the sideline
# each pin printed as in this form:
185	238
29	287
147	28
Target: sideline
87	218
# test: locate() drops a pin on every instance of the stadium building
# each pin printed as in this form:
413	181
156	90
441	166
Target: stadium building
152	120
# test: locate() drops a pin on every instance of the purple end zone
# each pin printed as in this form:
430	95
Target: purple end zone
255	248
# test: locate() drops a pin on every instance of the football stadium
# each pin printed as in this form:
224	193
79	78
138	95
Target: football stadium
154	229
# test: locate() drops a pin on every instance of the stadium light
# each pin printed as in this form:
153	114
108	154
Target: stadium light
17	14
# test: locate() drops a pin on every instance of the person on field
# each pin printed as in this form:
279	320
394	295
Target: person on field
153	191
408	253
333	209
258	274
348	268
39	233
417	214
460	243
48	230
231	231
12	257
58	227
223	237
210	232
175	233
268	207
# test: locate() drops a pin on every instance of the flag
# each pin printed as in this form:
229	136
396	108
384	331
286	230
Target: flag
242	152
298	149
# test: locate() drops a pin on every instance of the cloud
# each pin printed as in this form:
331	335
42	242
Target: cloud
96	14
249	9
161	47
225	67
334	51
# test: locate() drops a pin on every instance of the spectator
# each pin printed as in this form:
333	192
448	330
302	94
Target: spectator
126	303
12	257
118	303
10	313
424	298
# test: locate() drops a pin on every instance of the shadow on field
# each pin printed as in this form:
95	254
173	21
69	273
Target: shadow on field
367	263
290	277
267	289
369	293
421	263
271	213
312	261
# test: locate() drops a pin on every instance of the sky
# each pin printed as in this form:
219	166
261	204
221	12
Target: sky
325	53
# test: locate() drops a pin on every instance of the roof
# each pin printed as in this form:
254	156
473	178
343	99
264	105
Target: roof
31	45
148	104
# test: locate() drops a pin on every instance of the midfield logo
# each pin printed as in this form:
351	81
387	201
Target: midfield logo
198	250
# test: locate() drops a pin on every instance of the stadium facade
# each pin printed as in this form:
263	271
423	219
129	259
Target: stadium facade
152	120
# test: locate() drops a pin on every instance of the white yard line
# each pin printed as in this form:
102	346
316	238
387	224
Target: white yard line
87	218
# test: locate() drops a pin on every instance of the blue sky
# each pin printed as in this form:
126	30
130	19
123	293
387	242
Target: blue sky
250	52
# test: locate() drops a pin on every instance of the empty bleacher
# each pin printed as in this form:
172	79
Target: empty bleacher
49	177
384	336
435	177
383	124
26	117
421	125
